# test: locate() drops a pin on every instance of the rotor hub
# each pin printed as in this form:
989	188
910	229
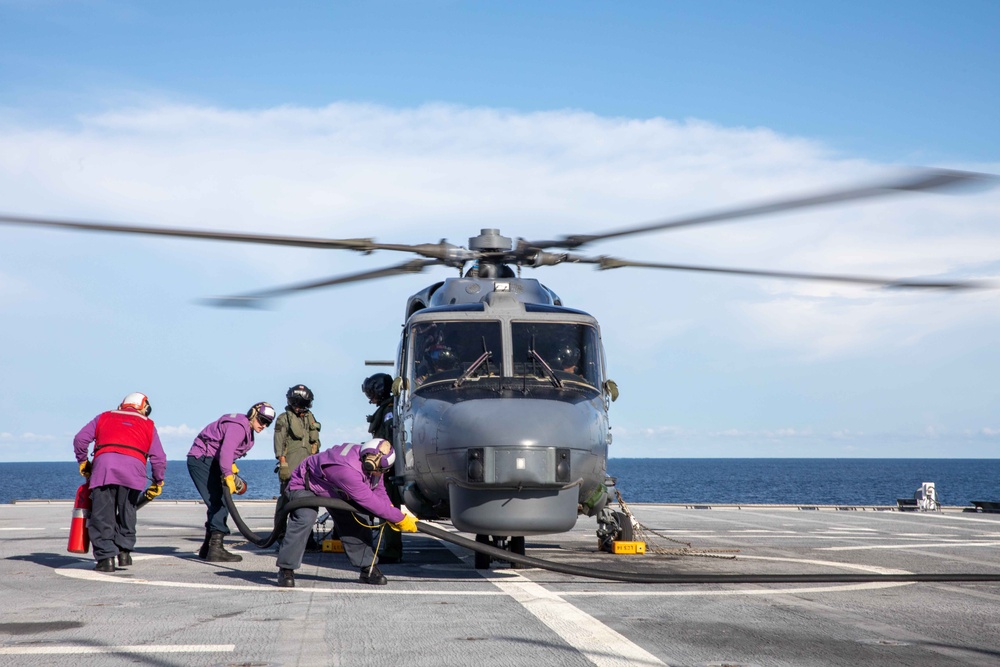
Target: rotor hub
490	240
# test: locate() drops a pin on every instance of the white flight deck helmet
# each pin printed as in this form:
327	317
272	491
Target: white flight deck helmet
138	402
377	456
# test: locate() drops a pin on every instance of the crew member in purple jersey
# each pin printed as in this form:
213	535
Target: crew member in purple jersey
124	440
349	472
211	462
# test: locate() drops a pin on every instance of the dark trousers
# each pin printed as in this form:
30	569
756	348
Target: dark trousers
112	519
392	540
357	539
207	478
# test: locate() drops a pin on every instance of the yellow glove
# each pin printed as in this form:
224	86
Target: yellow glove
231	483
407	525
235	469
155	489
85	469
284	472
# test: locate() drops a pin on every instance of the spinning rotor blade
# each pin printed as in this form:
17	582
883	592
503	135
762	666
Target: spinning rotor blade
613	263
363	245
445	252
922	181
255	299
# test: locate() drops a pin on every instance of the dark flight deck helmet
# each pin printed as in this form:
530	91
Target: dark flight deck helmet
377	387
300	397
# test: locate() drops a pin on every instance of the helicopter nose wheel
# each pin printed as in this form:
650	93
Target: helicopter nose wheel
611	526
514	544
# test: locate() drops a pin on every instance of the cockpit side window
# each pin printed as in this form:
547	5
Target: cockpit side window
571	351
450	351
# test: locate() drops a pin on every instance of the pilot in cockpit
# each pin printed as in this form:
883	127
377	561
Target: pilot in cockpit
435	355
567	358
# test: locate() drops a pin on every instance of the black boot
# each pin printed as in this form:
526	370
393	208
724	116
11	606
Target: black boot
372	575
203	551
286	578
105	565
124	558
217	553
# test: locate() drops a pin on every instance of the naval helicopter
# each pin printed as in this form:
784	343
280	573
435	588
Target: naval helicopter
501	390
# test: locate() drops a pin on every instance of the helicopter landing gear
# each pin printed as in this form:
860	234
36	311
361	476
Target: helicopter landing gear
612	526
482	560
514	544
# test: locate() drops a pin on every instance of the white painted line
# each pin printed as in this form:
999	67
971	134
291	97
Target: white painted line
854	530
756	530
962	518
88	574
841	536
874	569
595	641
925	545
22	528
841	588
71	649
838	588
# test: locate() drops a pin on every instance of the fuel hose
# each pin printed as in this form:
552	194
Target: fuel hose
281	518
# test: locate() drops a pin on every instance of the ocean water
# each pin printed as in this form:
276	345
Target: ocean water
696	481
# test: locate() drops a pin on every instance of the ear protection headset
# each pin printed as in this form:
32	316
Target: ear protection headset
377	456
262	412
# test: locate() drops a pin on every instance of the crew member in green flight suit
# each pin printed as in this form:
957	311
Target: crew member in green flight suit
378	389
296	435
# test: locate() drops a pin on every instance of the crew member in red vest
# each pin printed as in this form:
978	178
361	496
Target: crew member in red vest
124	440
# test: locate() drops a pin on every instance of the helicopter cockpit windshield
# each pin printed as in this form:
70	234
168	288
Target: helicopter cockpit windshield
559	351
455	351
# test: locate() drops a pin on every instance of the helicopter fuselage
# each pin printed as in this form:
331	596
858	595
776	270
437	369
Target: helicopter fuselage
502	410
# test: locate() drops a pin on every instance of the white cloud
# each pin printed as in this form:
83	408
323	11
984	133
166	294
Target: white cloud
419	174
182	432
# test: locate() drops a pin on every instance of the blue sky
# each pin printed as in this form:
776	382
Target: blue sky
409	122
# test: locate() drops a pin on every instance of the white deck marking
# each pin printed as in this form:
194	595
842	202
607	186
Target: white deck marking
853	530
918	545
83	570
757	530
595	641
74	572
70	649
836	588
22	528
839	588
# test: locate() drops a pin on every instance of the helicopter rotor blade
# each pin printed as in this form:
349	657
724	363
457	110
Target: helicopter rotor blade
445	252
605	262
256	299
361	245
922	181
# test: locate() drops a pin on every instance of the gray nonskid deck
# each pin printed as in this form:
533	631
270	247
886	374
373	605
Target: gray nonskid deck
169	608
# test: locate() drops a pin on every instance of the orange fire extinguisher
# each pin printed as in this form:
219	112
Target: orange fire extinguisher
79	538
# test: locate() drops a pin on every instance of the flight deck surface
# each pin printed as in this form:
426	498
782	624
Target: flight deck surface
170	608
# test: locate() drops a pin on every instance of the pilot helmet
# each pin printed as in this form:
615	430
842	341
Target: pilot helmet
567	355
377	387
300	397
441	358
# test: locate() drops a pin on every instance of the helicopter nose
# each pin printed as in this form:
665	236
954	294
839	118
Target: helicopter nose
513	464
522	424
